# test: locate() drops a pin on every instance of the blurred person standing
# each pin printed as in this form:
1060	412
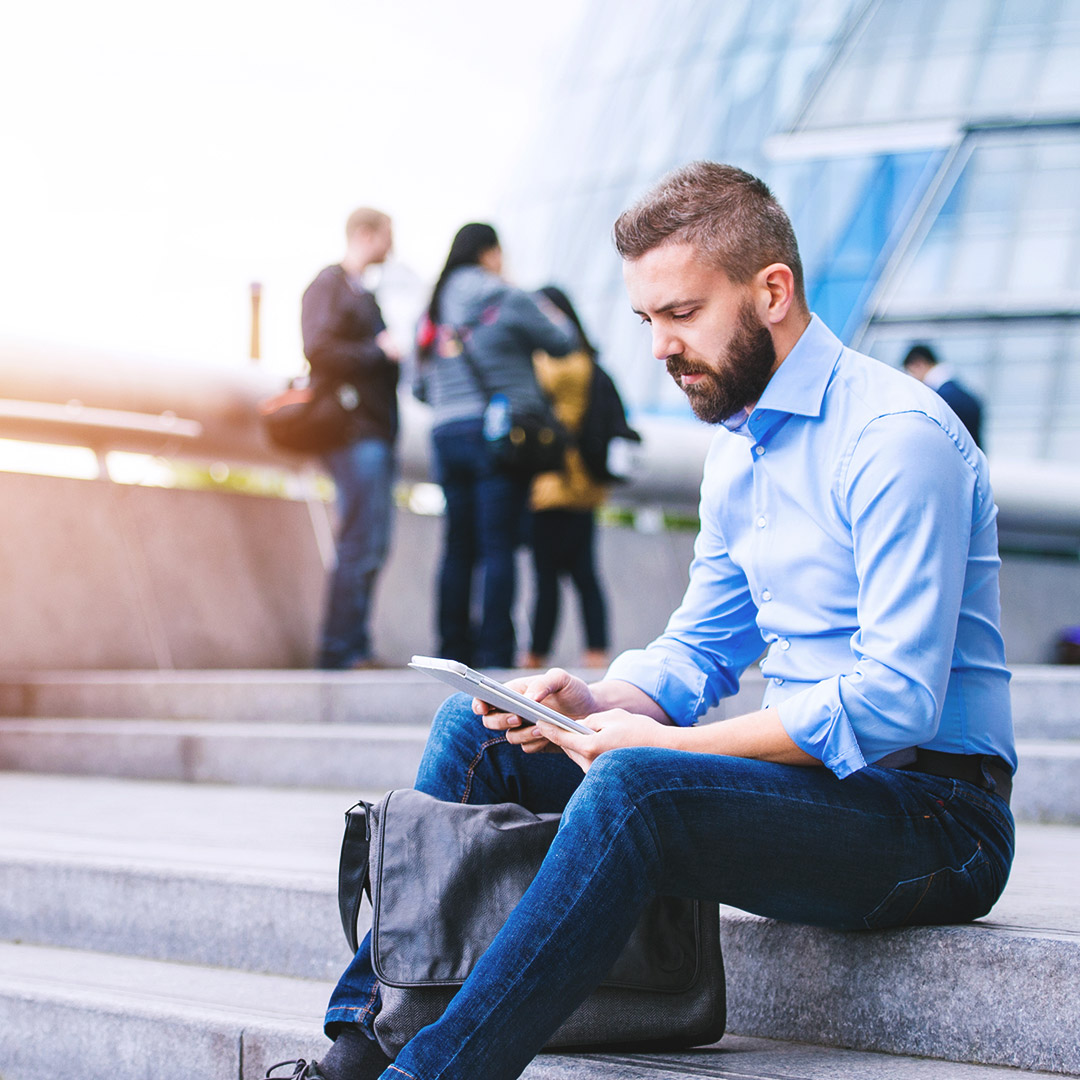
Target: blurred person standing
477	341
564	504
922	364
346	341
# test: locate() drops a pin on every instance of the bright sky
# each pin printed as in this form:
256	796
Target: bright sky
157	158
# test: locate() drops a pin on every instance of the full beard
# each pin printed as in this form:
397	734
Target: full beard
739	378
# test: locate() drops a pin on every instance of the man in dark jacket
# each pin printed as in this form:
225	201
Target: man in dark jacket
921	363
346	343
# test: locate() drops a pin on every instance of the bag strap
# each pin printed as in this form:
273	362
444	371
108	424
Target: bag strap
353	878
462	335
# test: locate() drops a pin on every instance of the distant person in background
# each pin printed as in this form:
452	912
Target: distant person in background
1067	646
921	363
477	340
345	339
564	504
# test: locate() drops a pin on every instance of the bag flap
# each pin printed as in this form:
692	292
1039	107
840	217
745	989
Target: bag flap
445	876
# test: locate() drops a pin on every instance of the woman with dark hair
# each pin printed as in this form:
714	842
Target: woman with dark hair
477	341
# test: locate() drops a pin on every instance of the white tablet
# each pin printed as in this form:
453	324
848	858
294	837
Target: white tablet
479	685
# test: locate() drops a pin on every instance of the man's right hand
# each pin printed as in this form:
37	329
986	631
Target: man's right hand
389	346
563	692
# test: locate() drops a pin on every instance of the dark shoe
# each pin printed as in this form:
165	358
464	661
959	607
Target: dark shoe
370	663
302	1070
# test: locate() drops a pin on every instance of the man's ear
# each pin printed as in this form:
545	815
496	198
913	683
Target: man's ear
775	290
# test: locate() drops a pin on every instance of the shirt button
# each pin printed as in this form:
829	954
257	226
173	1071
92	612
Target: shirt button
761	522
766	595
785	644
759	450
778	682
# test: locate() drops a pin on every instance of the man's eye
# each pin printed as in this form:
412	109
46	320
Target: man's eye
645	320
681	316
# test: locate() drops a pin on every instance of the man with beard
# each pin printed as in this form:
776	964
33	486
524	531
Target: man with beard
848	527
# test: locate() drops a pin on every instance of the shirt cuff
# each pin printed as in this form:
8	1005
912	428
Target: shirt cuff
816	722
676	684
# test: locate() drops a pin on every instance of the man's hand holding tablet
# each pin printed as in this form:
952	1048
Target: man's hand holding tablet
509	699
536	711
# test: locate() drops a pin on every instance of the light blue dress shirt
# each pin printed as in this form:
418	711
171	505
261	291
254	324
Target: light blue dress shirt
848	524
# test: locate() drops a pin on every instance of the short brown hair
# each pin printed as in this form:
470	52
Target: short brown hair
367	220
729	215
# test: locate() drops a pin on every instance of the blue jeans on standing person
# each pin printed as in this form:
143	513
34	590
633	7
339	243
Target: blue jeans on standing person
881	848
484	508
363	473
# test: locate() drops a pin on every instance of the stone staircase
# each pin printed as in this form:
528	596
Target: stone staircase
168	851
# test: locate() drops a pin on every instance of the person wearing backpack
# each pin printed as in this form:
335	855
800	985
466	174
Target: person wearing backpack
564	503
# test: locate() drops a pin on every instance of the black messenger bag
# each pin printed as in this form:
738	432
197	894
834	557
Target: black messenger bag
443	877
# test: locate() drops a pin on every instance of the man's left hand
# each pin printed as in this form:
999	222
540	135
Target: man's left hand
613	729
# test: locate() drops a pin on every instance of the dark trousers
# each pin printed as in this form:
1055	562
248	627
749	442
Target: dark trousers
564	543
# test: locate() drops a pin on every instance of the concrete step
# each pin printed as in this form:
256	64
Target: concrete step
294	697
89	1015
66	1013
288	755
1047	783
236	877
360	755
1046	699
245	878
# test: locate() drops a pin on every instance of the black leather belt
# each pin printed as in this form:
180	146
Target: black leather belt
983	770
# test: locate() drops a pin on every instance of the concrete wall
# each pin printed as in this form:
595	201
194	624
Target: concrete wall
1040	596
95	575
98	575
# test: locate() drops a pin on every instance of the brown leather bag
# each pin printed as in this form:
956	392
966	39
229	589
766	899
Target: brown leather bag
311	418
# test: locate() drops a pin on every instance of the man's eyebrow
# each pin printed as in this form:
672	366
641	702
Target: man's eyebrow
673	305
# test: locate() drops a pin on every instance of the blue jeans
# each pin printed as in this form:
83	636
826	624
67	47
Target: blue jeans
363	473
881	848
484	510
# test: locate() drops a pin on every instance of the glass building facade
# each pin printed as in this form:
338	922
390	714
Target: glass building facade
928	152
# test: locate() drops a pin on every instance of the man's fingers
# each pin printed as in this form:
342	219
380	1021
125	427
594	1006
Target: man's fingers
568	740
493	718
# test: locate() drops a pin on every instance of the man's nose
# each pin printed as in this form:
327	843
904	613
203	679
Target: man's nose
664	342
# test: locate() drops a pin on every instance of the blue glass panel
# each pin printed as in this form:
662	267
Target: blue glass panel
926	59
1008	235
1057	85
839	286
965	22
1007	79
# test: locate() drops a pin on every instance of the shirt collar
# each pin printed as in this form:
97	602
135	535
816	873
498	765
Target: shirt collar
798	384
937	376
736	423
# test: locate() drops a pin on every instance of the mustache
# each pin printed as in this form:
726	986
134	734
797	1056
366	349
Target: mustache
677	365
